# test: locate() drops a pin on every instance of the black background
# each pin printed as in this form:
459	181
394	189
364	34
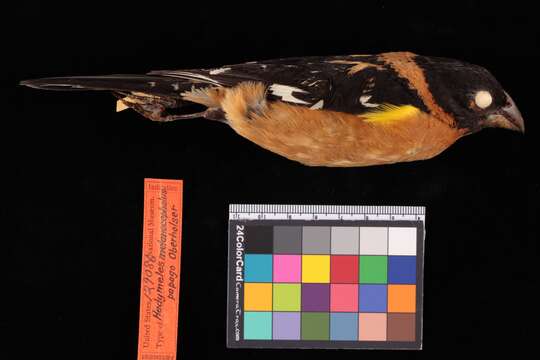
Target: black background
75	169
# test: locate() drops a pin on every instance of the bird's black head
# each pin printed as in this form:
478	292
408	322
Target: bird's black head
470	94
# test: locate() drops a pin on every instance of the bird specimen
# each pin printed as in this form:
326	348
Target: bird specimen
345	111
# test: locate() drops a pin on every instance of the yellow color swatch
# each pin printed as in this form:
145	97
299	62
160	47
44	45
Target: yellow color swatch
402	298
257	297
315	268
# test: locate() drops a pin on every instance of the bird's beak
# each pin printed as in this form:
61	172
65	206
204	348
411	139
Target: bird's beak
508	117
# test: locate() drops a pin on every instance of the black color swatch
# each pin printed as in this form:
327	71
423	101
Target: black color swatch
260	239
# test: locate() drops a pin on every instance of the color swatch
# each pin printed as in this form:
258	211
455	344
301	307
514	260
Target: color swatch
325	284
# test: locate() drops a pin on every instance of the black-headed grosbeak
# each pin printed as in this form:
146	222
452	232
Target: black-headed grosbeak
354	110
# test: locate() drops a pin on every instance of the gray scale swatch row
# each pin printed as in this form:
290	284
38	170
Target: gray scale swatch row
343	240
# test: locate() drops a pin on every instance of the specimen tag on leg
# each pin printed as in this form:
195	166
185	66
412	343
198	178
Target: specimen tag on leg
160	275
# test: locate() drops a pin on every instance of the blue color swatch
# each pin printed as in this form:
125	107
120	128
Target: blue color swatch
372	298
258	268
402	269
344	326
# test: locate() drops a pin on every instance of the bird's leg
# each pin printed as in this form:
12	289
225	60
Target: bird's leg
158	112
215	114
154	107
165	118
152	110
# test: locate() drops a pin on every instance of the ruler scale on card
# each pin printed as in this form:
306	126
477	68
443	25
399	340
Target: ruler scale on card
160	273
325	276
325	212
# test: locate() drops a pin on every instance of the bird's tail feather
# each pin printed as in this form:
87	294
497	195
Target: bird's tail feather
158	98
152	85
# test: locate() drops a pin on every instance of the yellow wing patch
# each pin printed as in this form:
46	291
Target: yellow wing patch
387	113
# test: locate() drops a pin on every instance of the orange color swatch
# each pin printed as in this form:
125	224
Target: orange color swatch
402	298
257	297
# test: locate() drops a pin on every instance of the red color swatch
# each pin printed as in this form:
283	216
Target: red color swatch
344	269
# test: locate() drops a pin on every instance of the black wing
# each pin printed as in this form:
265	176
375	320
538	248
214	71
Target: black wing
353	84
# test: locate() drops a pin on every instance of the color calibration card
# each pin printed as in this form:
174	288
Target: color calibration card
307	276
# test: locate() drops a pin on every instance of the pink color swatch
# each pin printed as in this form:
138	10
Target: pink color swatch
287	268
372	327
344	297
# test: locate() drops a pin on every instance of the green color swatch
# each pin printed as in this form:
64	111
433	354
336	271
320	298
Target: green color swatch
286	297
315	326
373	269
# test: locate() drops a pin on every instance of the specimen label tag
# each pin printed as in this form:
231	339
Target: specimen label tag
160	276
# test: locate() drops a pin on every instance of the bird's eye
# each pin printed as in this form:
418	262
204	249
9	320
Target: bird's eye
483	99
